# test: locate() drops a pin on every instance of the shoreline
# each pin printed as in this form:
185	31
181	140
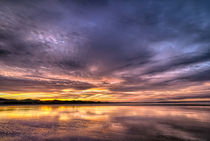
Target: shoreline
110	104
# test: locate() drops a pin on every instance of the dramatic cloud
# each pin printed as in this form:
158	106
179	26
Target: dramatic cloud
105	49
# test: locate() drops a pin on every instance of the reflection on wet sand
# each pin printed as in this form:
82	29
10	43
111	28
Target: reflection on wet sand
103	123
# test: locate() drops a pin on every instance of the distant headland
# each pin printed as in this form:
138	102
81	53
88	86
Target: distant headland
4	101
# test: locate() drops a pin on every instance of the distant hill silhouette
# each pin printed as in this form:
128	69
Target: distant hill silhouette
4	101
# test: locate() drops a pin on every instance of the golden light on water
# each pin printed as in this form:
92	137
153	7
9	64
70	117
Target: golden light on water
101	122
104	70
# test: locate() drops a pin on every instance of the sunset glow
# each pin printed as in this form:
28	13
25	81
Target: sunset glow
127	51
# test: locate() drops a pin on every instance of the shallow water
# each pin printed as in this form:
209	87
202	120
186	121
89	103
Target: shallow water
104	123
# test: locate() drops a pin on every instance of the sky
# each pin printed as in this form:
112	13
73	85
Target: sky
105	50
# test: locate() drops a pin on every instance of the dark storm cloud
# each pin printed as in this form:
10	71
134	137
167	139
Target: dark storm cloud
142	85
184	60
17	52
86	3
4	52
24	85
137	84
202	96
105	43
105	38
198	76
